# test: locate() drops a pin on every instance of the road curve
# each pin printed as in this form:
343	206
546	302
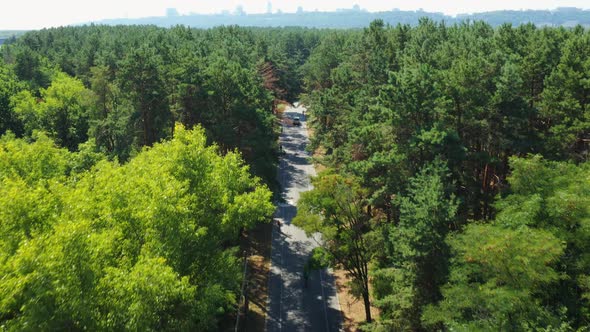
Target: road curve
292	306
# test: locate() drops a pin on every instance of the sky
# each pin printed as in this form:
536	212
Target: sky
36	14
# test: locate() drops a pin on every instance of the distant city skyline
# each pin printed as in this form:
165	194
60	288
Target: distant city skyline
36	14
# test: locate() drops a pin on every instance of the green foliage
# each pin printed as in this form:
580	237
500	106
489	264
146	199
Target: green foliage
497	276
110	117
9	86
388	100
41	160
150	296
319	259
565	106
417	262
526	269
335	208
29	66
143	79
62	111
143	246
555	197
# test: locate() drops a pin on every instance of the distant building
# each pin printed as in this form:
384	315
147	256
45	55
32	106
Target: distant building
239	11
171	12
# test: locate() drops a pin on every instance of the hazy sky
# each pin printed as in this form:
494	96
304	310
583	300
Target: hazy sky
34	14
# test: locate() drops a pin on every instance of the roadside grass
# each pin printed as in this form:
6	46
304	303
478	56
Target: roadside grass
258	243
252	308
353	309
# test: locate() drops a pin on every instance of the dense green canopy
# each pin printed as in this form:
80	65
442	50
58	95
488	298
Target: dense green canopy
90	244
470	145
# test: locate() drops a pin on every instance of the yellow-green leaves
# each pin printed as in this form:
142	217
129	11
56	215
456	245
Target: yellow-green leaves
90	244
496	278
61	111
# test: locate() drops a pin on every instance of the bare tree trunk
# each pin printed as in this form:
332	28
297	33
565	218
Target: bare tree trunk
367	306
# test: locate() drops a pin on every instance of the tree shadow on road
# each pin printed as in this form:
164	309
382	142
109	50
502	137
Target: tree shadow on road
303	307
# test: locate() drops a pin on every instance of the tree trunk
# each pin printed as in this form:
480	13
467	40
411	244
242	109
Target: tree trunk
367	306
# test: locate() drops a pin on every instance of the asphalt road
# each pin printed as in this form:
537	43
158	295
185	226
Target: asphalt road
292	306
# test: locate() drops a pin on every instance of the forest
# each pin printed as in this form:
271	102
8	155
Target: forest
458	182
131	161
456	189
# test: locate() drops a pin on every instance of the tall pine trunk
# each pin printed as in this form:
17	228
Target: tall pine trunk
367	306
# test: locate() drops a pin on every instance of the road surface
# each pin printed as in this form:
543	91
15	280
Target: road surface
292	306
